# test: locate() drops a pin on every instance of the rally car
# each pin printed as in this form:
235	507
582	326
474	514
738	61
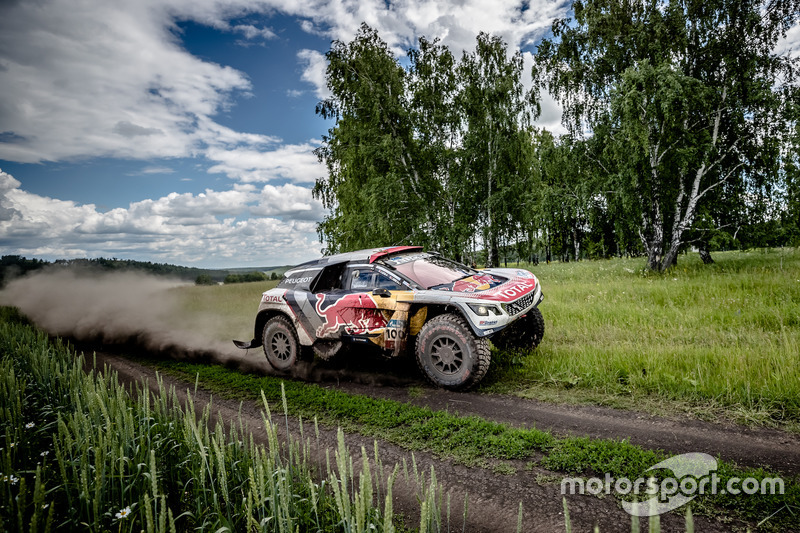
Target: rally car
397	298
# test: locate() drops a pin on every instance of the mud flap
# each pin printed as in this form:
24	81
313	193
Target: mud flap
242	345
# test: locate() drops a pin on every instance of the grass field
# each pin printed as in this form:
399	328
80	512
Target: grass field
724	337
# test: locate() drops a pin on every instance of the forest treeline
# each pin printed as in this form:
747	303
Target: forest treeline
682	133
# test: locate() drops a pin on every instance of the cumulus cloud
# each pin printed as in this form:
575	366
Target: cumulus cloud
456	23
314	65
242	225
289	201
293	162
84	79
110	79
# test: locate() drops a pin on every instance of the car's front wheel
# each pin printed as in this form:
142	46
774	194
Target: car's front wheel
280	342
450	355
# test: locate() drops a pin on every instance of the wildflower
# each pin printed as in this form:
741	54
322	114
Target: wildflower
29	425
45	506
12	444
123	513
13	479
45	453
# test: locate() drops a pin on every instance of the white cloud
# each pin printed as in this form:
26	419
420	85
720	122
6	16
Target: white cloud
457	23
103	79
289	201
110	79
206	229
790	45
293	162
251	32
315	65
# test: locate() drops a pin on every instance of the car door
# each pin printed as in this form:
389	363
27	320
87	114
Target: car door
364	318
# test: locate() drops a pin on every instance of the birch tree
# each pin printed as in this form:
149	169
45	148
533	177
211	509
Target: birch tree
495	144
689	95
374	190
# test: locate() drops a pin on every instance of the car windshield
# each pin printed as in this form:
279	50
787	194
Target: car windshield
429	270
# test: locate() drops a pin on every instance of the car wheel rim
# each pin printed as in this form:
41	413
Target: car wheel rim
280	346
446	355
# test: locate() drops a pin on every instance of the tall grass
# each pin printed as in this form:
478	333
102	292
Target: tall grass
727	333
77	453
472	440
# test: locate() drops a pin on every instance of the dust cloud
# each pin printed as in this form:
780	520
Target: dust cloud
119	311
136	314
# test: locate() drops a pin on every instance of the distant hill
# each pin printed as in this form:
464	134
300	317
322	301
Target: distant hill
12	266
268	270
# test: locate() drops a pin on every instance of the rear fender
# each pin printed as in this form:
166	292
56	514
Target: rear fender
266	314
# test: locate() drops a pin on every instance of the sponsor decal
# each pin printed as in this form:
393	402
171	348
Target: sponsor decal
357	313
272	299
478	282
487	322
295	281
517	290
507	292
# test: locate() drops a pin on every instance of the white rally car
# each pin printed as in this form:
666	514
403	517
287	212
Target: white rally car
399	297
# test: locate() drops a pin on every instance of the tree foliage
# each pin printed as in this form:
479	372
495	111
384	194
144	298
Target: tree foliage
682	131
430	155
689	100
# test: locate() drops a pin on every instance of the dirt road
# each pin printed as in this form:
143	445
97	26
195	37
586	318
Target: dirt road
494	499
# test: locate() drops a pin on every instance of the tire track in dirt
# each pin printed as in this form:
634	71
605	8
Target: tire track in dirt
493	499
754	447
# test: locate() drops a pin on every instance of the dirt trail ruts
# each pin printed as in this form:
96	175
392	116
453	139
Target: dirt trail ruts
755	447
493	499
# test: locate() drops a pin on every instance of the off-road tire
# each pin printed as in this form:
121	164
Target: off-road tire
525	333
450	355
280	343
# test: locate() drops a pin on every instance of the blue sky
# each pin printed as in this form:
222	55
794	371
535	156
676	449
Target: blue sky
182	131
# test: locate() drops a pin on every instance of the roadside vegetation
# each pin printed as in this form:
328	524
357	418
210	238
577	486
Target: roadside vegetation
705	338
477	442
78	454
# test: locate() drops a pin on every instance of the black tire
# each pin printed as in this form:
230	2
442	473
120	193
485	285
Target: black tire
450	355
280	343
526	333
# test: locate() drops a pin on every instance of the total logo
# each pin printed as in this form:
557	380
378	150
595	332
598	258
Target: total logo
518	289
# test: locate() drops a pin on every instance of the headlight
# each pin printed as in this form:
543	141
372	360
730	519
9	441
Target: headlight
484	310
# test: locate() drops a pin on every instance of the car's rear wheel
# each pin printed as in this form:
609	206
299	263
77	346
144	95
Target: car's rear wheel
525	333
280	343
450	355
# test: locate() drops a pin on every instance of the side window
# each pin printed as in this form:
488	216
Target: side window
330	279
385	282
361	278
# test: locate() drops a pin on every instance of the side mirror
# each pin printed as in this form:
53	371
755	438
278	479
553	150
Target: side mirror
383	293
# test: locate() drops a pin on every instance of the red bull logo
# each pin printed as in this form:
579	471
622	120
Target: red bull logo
358	314
479	282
